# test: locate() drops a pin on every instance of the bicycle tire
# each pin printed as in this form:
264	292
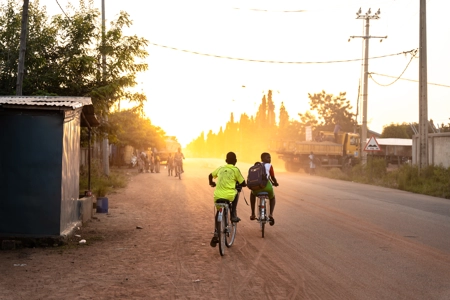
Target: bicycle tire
263	225
231	232
221	232
262	220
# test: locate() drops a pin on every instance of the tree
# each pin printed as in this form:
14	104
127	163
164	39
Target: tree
331	109
127	127
401	131
271	122
64	54
41	44
283	117
261	114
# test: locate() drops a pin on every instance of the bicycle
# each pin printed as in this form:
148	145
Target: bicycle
263	216
225	228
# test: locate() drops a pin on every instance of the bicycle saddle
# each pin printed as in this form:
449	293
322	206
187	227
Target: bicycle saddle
222	201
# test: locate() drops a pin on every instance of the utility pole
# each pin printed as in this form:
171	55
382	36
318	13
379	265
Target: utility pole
22	49
367	17
423	91
105	140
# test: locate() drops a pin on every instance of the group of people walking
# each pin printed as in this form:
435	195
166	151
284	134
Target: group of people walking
152	163
148	163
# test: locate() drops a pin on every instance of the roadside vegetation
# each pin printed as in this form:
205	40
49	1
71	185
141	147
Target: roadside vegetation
101	185
432	180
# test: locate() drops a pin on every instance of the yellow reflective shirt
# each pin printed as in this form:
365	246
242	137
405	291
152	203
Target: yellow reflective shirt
227	176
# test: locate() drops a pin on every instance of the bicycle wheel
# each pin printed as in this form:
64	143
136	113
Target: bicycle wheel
179	172
221	232
262	215
231	231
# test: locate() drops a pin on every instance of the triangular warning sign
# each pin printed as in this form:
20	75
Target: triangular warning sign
372	145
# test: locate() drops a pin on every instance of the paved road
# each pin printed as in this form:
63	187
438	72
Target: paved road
342	240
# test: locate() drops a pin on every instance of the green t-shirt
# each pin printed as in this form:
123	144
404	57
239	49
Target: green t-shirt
227	176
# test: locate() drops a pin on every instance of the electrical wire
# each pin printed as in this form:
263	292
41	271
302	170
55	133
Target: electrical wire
412	80
266	10
414	52
275	61
62	10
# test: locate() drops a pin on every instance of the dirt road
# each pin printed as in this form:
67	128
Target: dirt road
154	244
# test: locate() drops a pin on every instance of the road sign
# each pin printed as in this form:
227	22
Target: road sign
372	145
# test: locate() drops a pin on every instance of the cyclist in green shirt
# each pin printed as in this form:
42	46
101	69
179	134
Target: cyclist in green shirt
227	177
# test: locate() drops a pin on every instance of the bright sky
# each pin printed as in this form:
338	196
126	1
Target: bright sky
189	93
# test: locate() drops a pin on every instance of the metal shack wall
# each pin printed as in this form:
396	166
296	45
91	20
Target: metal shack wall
70	170
30	172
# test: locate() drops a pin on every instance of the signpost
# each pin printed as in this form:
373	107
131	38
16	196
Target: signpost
372	146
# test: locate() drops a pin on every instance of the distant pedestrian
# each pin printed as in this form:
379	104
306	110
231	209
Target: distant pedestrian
312	164
170	164
337	128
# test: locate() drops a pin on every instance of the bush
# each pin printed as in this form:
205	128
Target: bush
432	180
101	184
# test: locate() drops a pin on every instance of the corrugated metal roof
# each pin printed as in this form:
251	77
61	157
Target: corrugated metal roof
393	142
56	101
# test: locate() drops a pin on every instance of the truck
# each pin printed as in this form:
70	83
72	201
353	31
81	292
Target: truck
341	153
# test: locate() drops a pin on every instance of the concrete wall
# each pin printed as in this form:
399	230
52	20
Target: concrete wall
438	149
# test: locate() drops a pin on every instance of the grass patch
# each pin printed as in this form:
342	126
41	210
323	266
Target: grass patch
101	185
432	180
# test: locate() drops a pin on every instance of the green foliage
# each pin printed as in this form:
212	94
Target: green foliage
334	173
330	109
41	44
401	131
283	117
127	127
432	180
64	54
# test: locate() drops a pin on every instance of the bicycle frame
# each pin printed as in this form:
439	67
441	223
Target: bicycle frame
262	217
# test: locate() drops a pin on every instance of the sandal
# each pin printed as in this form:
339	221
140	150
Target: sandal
214	241
271	221
252	217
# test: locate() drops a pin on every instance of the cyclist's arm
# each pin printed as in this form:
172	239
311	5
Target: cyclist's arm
272	176
211	182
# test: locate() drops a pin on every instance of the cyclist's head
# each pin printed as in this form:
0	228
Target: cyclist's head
265	157
231	158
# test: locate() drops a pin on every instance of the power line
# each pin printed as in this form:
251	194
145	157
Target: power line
406	79
267	10
62	10
275	61
412	57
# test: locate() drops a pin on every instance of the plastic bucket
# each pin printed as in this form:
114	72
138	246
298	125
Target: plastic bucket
102	205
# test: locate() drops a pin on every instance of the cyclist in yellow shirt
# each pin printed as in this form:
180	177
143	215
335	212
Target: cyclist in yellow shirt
227	177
